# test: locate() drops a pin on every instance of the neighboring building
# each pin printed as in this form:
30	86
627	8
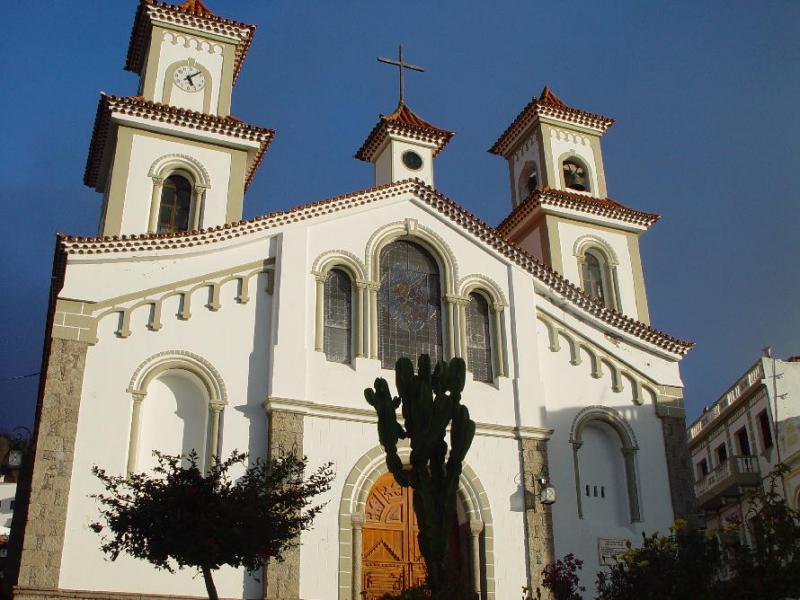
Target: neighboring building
183	327
737	441
8	492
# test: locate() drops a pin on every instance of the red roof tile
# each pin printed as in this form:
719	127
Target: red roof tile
139	107
546	105
442	204
196	7
192	13
605	207
403	121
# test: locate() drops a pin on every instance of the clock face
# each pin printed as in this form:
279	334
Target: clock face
189	78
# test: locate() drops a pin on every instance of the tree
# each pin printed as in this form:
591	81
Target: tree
684	564
180	516
561	579
765	565
757	559
430	402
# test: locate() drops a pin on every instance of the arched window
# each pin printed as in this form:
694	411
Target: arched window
528	181
338	316
479	347
575	176
176	203
409	304
598	279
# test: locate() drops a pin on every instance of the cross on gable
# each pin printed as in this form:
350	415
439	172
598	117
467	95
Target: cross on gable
401	65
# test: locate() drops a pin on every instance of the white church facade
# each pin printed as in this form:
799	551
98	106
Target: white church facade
182	326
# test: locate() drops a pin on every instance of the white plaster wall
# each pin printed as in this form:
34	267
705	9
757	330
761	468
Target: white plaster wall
568	142
568	389
177	47
235	340
399	171
568	234
174	420
494	460
139	189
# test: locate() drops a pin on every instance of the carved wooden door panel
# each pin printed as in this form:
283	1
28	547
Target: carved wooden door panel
391	561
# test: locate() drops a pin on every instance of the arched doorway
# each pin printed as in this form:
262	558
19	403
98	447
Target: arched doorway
391	560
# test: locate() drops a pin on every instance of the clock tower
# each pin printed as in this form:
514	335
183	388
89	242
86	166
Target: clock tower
172	159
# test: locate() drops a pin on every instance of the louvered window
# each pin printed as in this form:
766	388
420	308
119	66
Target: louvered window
479	347
409	304
338	316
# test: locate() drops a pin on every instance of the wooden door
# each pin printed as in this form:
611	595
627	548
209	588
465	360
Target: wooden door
390	561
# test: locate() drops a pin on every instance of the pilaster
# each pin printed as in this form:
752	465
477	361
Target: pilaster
56	429
670	410
284	435
539	544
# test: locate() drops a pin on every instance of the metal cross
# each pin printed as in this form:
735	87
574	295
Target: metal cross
401	65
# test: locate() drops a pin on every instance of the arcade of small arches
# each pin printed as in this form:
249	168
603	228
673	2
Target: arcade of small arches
641	389
405	300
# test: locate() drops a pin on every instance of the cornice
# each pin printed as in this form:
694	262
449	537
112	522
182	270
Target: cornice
135	106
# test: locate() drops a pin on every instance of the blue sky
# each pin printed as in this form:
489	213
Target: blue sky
706	97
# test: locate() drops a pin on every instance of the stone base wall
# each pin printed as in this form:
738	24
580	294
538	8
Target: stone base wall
285	435
538	516
28	593
42	545
679	467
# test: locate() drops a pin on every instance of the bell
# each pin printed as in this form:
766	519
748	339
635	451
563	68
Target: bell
575	177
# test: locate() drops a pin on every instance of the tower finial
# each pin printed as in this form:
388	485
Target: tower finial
401	65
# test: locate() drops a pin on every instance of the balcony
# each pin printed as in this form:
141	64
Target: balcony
728	480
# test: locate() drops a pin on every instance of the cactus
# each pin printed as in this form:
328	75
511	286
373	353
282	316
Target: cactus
430	402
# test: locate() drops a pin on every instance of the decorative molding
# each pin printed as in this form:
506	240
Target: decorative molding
367	415
470	283
188	163
607	415
333	258
618	369
182	359
75	319
435	243
190	41
585	242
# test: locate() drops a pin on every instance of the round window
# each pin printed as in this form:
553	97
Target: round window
412	160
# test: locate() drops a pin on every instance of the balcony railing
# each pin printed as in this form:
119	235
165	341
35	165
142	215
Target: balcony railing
735	392
728	480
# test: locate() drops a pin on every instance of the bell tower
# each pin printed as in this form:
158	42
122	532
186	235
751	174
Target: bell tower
561	213
172	159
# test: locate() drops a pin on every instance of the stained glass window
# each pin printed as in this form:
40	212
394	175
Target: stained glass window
176	200
479	348
409	304
338	316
